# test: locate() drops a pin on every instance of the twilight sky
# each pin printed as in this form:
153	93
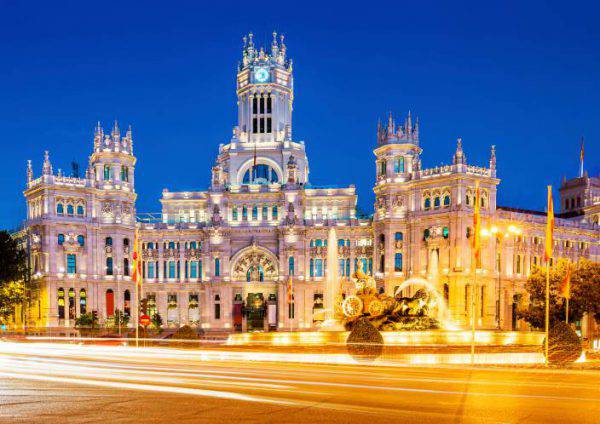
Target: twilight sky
524	76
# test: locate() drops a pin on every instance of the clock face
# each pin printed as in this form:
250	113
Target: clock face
261	74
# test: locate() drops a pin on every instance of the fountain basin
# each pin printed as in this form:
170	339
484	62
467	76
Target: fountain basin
391	338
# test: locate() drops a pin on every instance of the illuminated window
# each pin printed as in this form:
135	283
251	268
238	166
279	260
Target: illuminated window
260	174
399	165
427	203
398	262
71	263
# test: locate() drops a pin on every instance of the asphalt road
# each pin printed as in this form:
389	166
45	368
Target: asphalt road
42	383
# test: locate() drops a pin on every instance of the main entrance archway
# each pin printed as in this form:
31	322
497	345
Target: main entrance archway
256	270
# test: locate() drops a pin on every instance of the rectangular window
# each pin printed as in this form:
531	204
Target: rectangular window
254	213
265	213
262	125
109	266
262	105
291	265
269	104
291	310
151	270
254	105
268	125
274	212
318	267
71	263
217	267
171	269
244	213
194	269
398	262
254	125
234	214
187	274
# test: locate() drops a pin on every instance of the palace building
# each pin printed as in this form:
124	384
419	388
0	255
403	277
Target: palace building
223	258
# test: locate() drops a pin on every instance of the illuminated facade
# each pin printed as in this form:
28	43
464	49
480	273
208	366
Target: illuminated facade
222	258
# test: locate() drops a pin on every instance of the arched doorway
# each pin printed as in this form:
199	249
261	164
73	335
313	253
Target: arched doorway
110	303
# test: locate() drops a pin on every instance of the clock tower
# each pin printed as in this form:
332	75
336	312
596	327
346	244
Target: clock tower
265	93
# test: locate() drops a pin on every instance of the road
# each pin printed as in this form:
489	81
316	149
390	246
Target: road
43	382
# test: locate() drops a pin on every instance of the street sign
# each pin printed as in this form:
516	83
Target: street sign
145	320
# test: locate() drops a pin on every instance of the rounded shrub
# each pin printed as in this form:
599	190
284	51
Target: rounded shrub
365	343
564	345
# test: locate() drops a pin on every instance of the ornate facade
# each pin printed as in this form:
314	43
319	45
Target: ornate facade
222	258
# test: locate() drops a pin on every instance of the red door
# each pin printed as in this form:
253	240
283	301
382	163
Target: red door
110	303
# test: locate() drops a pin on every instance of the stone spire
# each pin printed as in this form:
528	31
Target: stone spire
459	156
116	133
29	171
128	141
398	134
47	166
493	158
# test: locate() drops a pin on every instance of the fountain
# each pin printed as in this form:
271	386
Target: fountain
332	299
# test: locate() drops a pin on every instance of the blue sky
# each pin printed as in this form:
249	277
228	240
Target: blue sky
521	75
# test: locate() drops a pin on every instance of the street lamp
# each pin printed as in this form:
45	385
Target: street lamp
499	233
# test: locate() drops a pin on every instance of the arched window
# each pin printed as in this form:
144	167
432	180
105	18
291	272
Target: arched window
110	303
61	239
436	202
107	173
244	212
126	267
217	307
274	212
60	209
447	200
260	174
398	262
82	301
254	213
468	200
80	210
81	240
108	241
109	266
427	203
70	210
127	303
124	174
399	236
399	165
61	302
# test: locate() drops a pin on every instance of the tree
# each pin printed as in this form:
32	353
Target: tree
585	293
89	320
120	319
13	275
157	321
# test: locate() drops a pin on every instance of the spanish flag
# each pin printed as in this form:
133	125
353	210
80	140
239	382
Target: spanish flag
290	290
477	224
565	288
137	261
549	227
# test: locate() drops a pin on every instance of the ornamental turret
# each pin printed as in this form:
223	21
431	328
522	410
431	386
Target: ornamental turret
29	172
398	134
493	161
112	161
47	166
459	156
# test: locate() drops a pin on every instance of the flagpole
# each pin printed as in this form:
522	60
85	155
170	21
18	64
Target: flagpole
547	307
473	293
567	312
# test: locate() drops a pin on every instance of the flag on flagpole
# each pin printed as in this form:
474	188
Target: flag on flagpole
581	155
137	261
565	288
477	224
290	290
549	227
